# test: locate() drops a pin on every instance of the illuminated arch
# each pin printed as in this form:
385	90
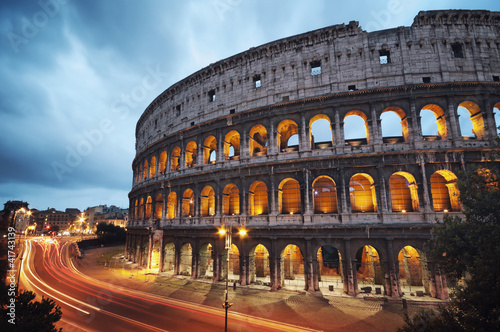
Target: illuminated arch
404	194
163	163
324	195
188	203
439	118
329	266
362	193
186	259
169	258
444	191
476	118
368	268
209	150
258	141
172	205
145	170
152	167
413	274
148	207
231	200
320	133
259	269
232	145
257	199
234	262
289	197
207	202
141	209
136	211
191	153
287	129
353	121
205	261
174	159
388	124
159	206
292	264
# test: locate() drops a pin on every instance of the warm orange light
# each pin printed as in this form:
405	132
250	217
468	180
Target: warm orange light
445	211
222	231
243	232
404	211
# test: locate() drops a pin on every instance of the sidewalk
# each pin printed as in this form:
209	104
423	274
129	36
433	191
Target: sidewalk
317	311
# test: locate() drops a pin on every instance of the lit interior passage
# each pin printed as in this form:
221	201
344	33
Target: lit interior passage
258	141
287	129
232	145
330	274
145	170
186	259
471	120
188	203
413	273
369	271
289	197
162	163
292	268
169	258
362	193
433	123
257	199
148	207
231	200
394	125
155	256
152	168
174	159
209	150
172	205
141	209
356	130
191	153
320	132
404	193
207	202
234	264
325	195
159	206
259	271
206	262
444	191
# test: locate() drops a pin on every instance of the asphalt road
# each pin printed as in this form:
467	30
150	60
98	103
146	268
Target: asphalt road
91	305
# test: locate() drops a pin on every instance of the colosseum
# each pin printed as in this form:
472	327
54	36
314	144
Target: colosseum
325	158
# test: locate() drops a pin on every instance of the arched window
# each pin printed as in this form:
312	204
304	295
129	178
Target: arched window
444	191
231	200
174	159
289	197
136	211
258	141
257	198
232	145
320	132
141	209
362	193
191	153
152	168
209	150
172	205
325	195
394	125
471	120
207	202
356	128
159	206
148	207
188	203
145	170
287	141
403	189
433	122
163	163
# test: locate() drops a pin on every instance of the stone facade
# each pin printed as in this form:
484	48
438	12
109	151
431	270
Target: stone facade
215	150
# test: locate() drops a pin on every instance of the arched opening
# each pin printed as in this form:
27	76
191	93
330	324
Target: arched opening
413	272
259	270
368	270
289	197
174	159
231	200
330	274
444	191
188	203
258	141
433	123
234	264
162	165
207	202
172	205
136	210
394	125
356	130
139	175
404	194
152	168
257	199
205	262
496	114
159	206
145	170
325	195
141	209
362	193
292	267
148	207
471	120
191	153
209	150
232	145
169	258
186	259
155	256
320	133
287	129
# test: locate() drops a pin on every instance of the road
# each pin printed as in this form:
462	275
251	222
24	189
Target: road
91	305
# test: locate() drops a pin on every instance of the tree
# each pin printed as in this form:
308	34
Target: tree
109	233
467	251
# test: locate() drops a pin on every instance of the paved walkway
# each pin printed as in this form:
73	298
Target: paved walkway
318	311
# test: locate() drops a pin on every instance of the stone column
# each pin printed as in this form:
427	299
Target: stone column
195	256
489	119
416	134
244	145
391	274
177	259
305	142
374	127
162	255
150	248
350	280
452	121
427	201
308	268
220	147
274	266
272	147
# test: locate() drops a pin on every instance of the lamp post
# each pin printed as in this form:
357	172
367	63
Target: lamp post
228	233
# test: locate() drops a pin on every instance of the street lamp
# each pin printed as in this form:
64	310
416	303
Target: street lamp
228	233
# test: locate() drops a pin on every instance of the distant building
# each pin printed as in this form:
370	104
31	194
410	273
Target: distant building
103	213
18	215
51	217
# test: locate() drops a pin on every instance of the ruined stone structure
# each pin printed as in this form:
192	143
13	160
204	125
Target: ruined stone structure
237	145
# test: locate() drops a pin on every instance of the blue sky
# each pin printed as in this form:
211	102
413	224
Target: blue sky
76	76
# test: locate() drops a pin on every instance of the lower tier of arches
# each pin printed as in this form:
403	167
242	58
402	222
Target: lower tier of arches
381	260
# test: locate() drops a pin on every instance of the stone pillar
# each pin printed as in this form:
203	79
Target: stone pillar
307	193
383	191
375	132
244	262
244	145
195	257
392	273
177	259
350	280
272	147
308	268
305	142
220	147
150	248
344	193
453	123
489	120
415	122
425	184
274	266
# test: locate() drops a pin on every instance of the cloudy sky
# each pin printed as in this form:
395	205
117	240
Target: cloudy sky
76	76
